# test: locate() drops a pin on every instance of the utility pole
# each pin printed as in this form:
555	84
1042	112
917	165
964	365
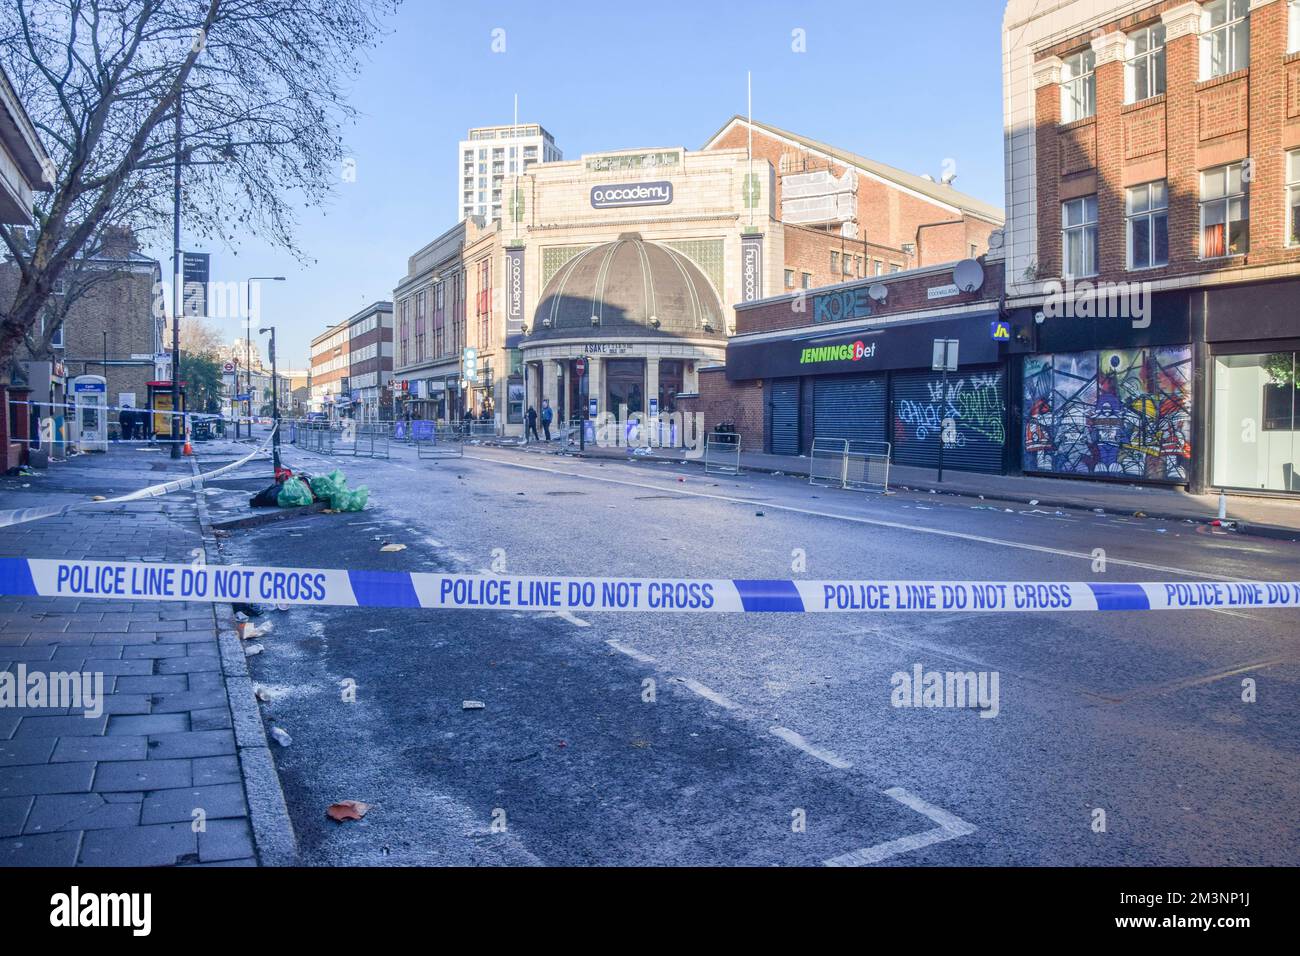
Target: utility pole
275	401
177	273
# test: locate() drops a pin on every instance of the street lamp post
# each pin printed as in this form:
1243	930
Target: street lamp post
177	273
248	346
275	401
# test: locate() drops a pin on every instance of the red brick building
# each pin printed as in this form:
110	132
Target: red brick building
854	362
847	216
1153	239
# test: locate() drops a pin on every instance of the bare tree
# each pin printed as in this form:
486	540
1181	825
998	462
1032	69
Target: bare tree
197	337
259	86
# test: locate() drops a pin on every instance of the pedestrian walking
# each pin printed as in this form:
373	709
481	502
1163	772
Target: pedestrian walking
532	424
547	415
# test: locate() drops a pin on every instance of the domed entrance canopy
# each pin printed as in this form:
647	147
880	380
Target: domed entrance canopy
628	288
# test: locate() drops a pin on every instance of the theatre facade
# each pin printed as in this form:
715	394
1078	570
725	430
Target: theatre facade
628	262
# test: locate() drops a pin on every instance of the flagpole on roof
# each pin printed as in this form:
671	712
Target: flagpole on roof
519	158
749	147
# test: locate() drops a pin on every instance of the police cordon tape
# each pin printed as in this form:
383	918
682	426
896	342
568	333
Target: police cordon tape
138	581
21	515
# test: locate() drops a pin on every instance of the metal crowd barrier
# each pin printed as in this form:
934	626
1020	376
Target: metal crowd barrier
371	439
438	441
312	436
852	465
722	453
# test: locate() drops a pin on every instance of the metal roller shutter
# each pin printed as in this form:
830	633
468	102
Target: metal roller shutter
851	407
784	417
977	403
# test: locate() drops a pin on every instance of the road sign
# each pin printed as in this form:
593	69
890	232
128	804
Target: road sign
228	368
580	366
945	355
1000	331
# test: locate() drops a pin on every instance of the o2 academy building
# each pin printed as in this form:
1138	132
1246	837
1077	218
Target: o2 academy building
632	262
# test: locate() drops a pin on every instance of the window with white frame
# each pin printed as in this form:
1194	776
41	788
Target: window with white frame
1079	237
1144	73
1148	225
1293	198
1225	213
1225	37
789	278
1078	86
1293	26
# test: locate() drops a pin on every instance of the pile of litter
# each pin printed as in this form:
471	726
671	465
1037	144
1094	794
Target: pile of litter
292	491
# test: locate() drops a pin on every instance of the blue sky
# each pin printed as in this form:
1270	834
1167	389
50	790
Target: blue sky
910	84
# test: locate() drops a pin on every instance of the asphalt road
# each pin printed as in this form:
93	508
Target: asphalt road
769	739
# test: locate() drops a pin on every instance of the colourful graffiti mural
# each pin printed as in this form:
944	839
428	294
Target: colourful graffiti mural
1114	412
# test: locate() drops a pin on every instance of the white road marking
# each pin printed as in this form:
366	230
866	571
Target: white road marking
795	739
950	827
572	618
631	652
709	694
877	522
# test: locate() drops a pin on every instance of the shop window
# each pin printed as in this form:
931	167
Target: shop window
1257	421
1079	87
1225	37
1225	213
1079	237
1293	198
1148	225
1144	72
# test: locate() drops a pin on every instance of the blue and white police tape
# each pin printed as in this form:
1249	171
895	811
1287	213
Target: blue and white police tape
135	581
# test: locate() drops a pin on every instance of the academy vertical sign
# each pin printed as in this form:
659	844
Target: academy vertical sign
751	268
514	291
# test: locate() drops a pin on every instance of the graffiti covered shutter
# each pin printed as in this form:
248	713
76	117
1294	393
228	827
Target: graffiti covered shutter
785	416
852	407
977	404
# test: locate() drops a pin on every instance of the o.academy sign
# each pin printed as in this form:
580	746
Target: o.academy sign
631	194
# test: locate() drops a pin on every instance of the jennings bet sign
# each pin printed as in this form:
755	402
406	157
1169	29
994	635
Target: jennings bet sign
631	194
848	352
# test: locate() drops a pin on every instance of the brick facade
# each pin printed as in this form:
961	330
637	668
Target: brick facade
719	401
908	292
906	227
114	315
1251	115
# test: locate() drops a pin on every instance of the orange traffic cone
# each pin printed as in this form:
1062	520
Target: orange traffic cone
187	451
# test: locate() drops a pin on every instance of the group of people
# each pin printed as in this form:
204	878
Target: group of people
547	417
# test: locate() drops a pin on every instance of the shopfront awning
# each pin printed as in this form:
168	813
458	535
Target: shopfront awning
867	348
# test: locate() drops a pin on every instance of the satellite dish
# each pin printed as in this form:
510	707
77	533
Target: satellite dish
879	292
968	275
997	238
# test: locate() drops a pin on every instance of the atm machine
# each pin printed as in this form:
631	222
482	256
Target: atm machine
90	412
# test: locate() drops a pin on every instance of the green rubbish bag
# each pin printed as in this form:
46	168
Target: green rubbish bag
326	486
294	493
350	500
